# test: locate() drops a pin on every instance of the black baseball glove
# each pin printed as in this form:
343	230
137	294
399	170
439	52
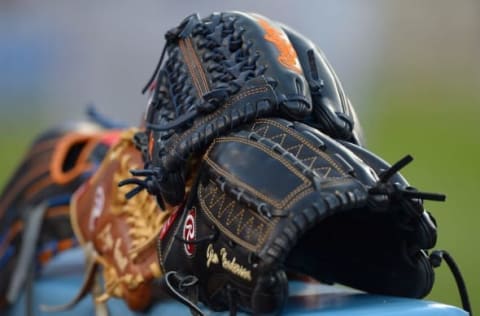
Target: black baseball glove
258	190
226	70
276	196
251	113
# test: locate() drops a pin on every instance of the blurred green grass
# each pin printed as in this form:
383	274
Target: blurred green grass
439	125
14	144
20	126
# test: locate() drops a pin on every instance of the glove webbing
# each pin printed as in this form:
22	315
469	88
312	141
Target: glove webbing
229	81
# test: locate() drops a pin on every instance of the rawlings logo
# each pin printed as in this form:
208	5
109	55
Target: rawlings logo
189	232
287	55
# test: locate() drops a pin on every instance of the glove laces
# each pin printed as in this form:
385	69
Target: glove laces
102	120
229	62
150	183
436	258
183	288
404	195
395	192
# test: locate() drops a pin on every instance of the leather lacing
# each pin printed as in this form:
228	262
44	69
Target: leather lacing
395	192
184	287
229	65
102	120
264	209
436	258
229	62
405	196
185	282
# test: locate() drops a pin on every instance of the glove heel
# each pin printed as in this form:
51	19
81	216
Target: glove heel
270	294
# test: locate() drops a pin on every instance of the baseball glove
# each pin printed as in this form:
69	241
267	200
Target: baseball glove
34	220
333	113
226	70
117	234
258	190
381	248
266	189
272	192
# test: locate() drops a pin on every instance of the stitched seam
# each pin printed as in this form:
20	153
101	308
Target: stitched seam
187	58
215	191
312	161
221	227
201	72
278	204
263	129
246	93
266	150
282	137
218	113
297	147
227	232
295	134
326	173
299	197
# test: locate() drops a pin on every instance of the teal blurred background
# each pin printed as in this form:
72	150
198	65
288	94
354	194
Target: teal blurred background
410	67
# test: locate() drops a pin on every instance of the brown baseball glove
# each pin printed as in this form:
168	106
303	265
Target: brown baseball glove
118	235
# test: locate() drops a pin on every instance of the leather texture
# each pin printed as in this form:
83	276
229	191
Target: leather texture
121	232
226	70
381	248
259	189
333	112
